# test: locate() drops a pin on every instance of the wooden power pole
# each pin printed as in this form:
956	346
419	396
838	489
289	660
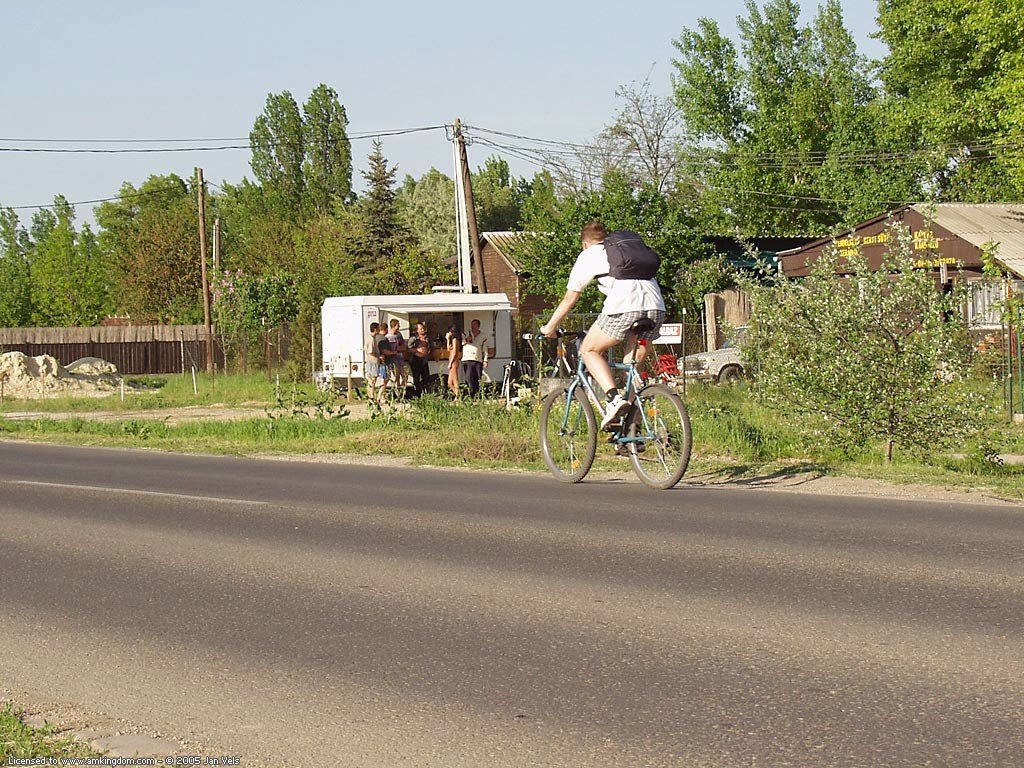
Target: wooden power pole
201	195
467	186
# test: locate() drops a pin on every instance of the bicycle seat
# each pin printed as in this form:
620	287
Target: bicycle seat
643	325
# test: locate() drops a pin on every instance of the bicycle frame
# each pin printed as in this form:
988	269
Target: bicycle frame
633	386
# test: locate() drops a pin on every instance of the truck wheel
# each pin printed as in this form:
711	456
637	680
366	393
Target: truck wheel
731	374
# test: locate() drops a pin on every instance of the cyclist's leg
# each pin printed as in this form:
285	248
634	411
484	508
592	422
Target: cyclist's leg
658	316
595	345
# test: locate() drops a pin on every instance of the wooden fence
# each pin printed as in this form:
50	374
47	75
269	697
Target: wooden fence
134	349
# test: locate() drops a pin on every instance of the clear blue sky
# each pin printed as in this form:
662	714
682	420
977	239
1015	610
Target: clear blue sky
138	70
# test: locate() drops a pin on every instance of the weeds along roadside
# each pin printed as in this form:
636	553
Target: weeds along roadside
169	391
17	739
429	430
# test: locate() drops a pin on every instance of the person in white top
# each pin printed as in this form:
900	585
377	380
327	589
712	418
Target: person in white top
474	357
626	301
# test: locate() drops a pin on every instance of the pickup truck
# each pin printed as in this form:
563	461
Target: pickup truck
724	365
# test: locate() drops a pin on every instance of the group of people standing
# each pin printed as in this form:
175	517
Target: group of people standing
390	359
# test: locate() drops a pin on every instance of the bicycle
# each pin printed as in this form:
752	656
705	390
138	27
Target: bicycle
654	432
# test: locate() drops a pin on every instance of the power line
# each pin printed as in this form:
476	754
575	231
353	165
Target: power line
99	200
205	148
558	154
119	151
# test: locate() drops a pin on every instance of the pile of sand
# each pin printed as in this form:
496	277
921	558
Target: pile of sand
33	377
92	366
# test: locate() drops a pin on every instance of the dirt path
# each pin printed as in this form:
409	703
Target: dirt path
170	415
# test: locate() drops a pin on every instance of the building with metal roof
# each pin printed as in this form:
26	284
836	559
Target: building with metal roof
945	234
948	238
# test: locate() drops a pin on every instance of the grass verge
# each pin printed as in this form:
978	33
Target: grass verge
734	438
20	740
168	391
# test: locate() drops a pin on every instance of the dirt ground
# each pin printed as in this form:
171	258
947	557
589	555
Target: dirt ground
170	415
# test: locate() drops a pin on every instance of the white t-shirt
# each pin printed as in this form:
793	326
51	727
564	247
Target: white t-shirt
475	350
620	295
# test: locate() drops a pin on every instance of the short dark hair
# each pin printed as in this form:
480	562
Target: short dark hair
374	327
594	230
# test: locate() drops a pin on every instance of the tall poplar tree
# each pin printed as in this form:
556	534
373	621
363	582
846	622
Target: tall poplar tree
327	167
278	153
15	294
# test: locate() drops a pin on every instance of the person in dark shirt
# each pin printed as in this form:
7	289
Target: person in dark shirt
386	353
419	359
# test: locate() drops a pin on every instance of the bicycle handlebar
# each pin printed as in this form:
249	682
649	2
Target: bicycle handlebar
559	333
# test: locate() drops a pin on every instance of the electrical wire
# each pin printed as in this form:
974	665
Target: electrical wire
175	187
206	148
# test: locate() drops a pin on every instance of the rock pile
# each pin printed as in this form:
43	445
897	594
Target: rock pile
32	377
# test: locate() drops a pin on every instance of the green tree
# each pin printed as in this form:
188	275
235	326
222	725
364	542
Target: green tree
955	75
697	278
279	152
150	239
68	277
330	262
784	132
866	354
255	235
498	197
15	281
427	209
382	228
327	168
255	304
543	204
665	226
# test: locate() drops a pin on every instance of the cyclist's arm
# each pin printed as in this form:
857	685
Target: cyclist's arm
550	329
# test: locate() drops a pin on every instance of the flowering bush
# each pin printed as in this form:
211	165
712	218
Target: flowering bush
873	354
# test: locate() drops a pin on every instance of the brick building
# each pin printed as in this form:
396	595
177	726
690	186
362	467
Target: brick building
504	273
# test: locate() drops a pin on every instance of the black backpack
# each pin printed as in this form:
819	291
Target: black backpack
629	257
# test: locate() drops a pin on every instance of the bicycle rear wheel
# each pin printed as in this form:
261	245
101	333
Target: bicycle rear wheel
568	434
660	420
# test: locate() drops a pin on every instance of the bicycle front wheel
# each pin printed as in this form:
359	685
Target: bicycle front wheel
568	434
662	428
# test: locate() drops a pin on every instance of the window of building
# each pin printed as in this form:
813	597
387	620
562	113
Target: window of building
983	304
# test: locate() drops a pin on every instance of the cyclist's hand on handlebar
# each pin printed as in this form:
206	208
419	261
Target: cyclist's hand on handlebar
549	331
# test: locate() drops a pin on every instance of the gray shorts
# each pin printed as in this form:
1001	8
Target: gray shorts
371	370
616	326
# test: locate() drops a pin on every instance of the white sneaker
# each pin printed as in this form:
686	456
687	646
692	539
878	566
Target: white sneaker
613	411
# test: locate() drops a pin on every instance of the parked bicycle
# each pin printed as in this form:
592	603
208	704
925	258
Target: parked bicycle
654	432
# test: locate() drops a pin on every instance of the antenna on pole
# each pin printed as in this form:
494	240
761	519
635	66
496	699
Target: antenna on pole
201	203
465	218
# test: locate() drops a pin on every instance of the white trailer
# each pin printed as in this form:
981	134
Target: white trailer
345	325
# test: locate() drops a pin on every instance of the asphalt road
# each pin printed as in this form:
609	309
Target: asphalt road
317	614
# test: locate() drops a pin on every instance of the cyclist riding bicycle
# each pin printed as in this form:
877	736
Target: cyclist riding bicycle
628	298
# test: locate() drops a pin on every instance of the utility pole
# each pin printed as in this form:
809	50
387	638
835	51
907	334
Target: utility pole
466	186
201	195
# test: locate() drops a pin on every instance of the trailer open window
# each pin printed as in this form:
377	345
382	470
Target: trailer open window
346	326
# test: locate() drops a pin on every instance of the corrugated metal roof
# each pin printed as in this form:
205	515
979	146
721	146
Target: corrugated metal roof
980	223
506	243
